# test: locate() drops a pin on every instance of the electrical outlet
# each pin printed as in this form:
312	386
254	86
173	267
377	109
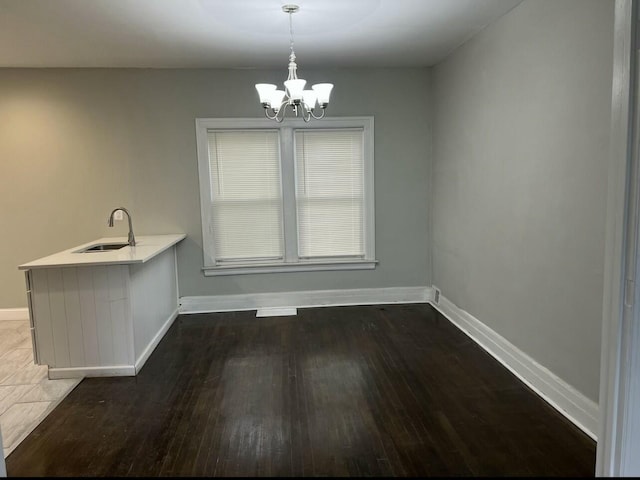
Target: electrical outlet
436	295
118	215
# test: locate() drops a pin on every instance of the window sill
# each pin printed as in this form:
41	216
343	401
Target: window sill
288	267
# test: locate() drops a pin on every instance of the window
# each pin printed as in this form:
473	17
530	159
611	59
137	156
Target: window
286	197
246	203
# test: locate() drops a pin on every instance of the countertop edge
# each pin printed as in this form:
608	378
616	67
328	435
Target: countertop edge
63	259
177	240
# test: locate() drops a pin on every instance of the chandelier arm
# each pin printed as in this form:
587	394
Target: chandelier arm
317	117
280	114
266	114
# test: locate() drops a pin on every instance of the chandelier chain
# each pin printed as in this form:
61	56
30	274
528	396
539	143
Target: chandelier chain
291	33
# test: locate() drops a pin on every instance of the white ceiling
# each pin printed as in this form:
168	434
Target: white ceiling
237	33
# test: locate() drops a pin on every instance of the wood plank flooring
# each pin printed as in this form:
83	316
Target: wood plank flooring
341	391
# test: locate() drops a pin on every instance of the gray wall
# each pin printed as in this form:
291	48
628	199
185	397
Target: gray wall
64	164
76	143
521	130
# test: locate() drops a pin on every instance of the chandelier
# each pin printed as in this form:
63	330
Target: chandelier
304	103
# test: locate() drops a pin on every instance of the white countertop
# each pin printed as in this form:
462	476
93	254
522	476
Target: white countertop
147	247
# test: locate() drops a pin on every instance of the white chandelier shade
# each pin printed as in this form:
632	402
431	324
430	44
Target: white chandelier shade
303	103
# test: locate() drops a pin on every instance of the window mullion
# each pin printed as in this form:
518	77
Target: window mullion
290	220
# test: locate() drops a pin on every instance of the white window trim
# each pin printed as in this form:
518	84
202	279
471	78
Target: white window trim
291	262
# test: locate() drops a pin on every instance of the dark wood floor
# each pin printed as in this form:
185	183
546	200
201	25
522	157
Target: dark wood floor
349	391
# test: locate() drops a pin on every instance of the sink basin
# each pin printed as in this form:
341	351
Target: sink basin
103	247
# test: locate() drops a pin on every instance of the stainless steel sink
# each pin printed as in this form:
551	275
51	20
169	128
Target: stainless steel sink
103	247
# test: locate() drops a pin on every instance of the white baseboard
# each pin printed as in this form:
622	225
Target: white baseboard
144	356
14	314
78	372
579	409
304	299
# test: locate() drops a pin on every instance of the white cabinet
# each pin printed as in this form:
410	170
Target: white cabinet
101	320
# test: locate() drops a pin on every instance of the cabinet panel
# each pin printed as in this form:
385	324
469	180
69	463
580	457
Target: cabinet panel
30	308
121	328
27	279
103	315
42	316
74	319
58	318
34	345
88	314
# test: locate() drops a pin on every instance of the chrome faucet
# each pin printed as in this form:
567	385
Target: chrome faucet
131	238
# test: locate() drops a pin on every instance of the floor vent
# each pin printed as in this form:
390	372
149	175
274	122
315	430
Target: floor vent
276	312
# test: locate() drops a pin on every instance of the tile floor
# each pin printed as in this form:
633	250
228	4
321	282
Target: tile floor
26	394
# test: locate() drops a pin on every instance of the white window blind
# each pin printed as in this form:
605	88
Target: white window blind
330	193
246	198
